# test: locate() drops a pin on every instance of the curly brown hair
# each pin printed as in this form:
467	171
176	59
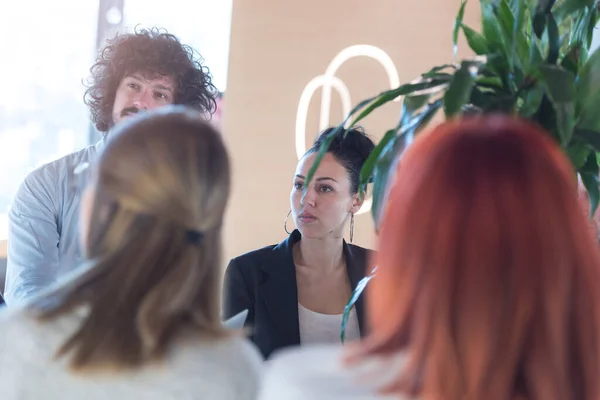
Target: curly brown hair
150	51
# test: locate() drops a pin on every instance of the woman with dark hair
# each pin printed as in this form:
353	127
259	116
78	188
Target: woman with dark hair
295	292
488	282
141	319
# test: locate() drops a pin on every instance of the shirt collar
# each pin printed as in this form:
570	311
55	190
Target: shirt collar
99	146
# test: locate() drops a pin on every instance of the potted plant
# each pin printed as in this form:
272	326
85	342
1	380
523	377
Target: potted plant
531	60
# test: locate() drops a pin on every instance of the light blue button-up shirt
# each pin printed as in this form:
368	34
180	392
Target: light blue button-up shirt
43	226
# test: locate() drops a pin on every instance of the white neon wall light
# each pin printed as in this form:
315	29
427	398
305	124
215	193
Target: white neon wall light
329	81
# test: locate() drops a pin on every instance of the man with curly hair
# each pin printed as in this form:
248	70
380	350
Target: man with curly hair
133	73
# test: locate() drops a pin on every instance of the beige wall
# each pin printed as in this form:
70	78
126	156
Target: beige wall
277	47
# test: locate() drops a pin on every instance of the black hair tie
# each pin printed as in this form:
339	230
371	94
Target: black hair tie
194	237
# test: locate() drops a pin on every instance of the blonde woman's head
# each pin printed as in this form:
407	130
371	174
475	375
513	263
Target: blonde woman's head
151	221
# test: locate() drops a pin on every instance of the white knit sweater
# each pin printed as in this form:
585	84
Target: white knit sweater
225	370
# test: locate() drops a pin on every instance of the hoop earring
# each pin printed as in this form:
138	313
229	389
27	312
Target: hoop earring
351	227
285	223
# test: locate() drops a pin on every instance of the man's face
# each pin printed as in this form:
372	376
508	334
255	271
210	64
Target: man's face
139	92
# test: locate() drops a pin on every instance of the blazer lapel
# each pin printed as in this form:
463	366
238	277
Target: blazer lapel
280	292
356	263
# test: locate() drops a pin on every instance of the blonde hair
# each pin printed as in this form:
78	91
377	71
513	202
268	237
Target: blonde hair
160	190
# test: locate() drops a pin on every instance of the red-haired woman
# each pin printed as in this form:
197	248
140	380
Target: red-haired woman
488	285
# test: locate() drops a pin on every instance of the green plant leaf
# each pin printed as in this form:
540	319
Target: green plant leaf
522	41
523	59
570	61
532	99
588	93
360	287
489	82
506	18
457	24
546	117
591	26
535	53
583	55
425	117
366	171
369	105
476	41
436	72
412	125
498	65
322	151
492	30
412	103
356	109
566	8
518	56
578	153
405	89
589	176
579	34
409	106
539	24
384	168
560	85
519	10
576	21
545	6
459	91
592	138
383	175
564	41
482	99
553	40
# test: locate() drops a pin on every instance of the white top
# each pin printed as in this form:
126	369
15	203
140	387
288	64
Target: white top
228	369
316	372
325	328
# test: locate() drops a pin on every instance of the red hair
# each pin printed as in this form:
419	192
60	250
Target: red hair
489	278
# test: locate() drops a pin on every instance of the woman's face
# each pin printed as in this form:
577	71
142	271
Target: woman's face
328	203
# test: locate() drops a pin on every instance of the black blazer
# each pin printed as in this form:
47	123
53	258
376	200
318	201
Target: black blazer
264	282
